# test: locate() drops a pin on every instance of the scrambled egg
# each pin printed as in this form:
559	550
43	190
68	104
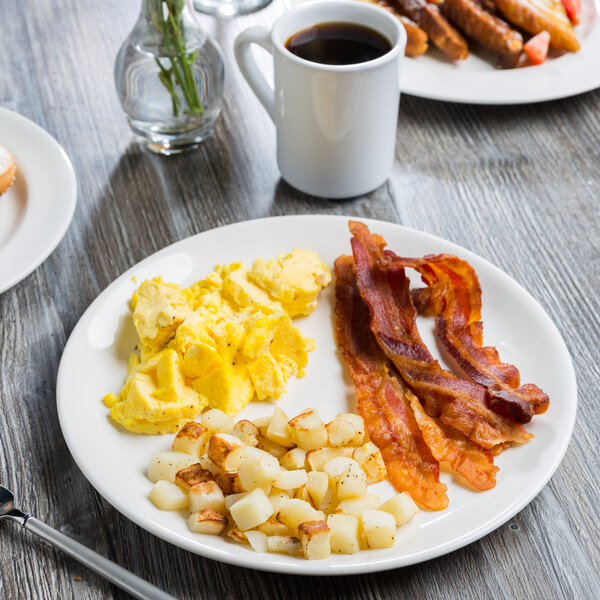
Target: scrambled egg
224	341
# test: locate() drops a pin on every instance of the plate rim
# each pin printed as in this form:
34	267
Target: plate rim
68	204
312	567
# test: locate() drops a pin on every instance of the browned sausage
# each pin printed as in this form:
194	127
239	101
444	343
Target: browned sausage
492	33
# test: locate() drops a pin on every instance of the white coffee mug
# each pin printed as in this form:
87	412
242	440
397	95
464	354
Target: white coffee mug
336	124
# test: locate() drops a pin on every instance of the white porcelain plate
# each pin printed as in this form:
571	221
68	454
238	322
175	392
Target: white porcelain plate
478	81
94	363
36	211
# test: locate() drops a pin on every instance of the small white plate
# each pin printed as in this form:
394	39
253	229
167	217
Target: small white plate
36	211
478	81
115	462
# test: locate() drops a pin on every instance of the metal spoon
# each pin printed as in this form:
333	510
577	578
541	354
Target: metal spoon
124	579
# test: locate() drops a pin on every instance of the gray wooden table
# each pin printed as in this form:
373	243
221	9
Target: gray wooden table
517	185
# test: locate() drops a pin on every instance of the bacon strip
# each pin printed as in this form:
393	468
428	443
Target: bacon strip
456	301
381	399
456	403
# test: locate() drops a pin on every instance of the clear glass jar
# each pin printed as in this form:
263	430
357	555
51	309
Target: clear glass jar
169	77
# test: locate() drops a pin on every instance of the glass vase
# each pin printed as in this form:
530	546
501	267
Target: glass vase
169	77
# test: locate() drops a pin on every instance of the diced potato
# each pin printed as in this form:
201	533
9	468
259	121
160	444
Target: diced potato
346	429
379	528
225	451
273	527
302	494
330	500
315	539
284	544
336	466
168	496
209	465
258	541
355	506
207	495
317	485
297	511
263	424
290	480
216	420
232	499
317	458
251	510
368	456
258	470
273	448
352	483
402	507
191	439
278	498
237	535
191	476
207	521
294	459
165	465
278	430
229	482
247	431
308	430
345	534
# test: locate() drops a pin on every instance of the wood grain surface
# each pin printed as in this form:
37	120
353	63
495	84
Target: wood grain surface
518	185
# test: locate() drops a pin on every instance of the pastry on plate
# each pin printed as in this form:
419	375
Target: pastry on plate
8	169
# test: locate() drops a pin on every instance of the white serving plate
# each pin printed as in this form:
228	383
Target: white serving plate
114	461
36	211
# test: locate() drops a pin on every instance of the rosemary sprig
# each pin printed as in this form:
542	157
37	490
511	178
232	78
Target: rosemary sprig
166	16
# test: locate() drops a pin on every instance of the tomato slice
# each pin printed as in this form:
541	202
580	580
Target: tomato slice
573	8
537	47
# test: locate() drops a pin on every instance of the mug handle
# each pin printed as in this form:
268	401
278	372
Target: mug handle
261	36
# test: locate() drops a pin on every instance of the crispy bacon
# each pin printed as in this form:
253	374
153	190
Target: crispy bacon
455	298
455	402
381	398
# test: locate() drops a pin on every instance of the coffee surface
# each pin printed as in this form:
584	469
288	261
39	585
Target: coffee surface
338	44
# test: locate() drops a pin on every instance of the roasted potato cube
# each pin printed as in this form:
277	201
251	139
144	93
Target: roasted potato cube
379	528
355	506
315	539
237	535
308	430
257	540
165	465
229	482
336	466
352	483
278	430
317	458
284	544
345	534
329	502
251	510
232	499
191	439
273	448
278	499
346	429
216	420
263	424
168	496
247	431
225	451
402	507
207	495
208	521
317	485
209	465
296	511
368	456
273	527
294	459
302	494
258	470
290	480
191	476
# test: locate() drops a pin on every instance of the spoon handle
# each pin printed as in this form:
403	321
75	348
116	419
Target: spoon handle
126	580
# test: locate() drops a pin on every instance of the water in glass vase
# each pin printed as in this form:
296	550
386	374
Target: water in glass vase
169	77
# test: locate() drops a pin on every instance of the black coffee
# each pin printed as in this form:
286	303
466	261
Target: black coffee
338	44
